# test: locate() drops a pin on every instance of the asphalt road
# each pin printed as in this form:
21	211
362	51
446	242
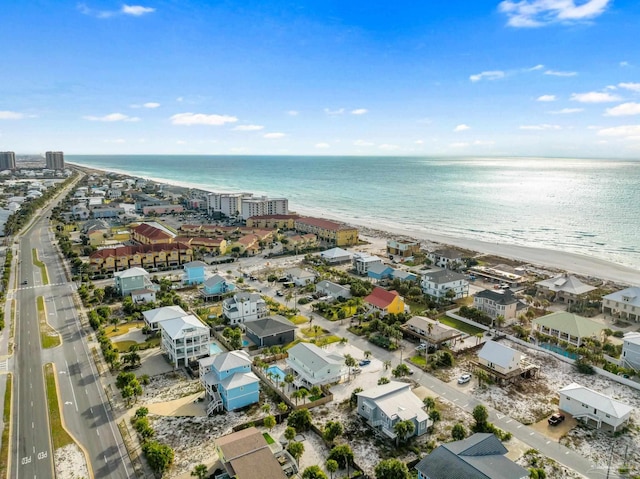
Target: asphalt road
85	409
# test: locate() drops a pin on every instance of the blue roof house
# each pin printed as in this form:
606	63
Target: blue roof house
403	275
217	285
379	271
193	272
229	382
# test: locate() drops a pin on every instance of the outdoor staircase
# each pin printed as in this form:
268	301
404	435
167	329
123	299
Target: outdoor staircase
215	404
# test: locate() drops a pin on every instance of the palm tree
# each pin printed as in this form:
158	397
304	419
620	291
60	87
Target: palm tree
429	403
303	394
332	466
403	429
367	354
350	362
297	394
387	364
289	379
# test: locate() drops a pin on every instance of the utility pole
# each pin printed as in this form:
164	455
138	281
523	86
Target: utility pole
610	459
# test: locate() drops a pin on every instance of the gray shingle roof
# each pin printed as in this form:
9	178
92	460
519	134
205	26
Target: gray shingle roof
444	276
270	326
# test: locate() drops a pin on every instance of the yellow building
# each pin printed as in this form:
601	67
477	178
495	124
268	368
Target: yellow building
387	302
283	222
330	232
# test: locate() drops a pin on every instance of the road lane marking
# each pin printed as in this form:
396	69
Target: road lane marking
71	384
509	421
531	434
548	442
519	426
97	432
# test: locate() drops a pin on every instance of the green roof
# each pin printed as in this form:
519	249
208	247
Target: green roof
571	324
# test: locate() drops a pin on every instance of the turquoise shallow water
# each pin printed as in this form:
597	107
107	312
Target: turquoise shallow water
583	206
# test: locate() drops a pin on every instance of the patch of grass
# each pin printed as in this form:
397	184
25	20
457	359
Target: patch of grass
298	319
123	328
419	361
314	332
59	436
41	265
268	438
459	325
123	346
6	416
49	337
12	328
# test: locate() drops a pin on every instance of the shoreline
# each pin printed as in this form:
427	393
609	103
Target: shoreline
574	263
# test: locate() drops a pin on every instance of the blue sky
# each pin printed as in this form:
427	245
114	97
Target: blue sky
455	77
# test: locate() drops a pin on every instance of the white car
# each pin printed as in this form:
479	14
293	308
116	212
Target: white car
465	378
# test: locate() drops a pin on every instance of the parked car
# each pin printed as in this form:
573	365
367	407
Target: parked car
364	362
421	347
25	282
279	293
465	378
555	419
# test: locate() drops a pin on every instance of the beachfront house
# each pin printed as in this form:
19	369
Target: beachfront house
216	285
446	258
130	280
401	248
300	277
144	295
499	303
153	317
193	272
623	304
591	406
229	382
568	327
271	331
504	364
480	456
244	307
363	261
564	289
329	291
313	366
336	256
445	284
329	232
184	339
383	406
429	331
630	356
246	455
384	302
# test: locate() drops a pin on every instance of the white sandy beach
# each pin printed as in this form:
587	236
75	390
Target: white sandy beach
561	260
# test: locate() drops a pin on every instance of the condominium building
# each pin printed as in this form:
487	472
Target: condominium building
264	206
329	232
54	160
7	160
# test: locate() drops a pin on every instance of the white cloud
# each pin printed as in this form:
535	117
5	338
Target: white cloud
323	145
273	136
419	142
546	98
542	127
181	142
630	86
484	142
488	75
459	144
536	13
624	64
149	104
461	127
594	97
363	143
180	99
624	131
557	73
339	111
537	67
566	111
11	115
626	109
248	127
112	117
136	10
201	119
359	111
293	113
388	147
117	140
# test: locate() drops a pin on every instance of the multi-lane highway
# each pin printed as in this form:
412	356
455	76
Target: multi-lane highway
86	411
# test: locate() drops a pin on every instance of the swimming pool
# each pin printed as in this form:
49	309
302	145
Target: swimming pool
278	374
214	349
245	343
558	350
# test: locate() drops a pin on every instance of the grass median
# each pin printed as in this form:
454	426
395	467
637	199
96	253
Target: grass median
6	420
59	435
49	337
41	265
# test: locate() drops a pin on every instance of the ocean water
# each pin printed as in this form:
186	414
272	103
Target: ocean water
584	206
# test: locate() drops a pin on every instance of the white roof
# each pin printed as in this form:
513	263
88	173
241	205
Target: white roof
239	379
313	357
231	360
194	264
161	314
632	338
396	399
498	354
599	401
366	258
131	273
335	253
568	284
178	327
629	296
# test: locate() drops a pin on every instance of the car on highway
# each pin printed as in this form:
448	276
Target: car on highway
465	378
555	419
25	282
